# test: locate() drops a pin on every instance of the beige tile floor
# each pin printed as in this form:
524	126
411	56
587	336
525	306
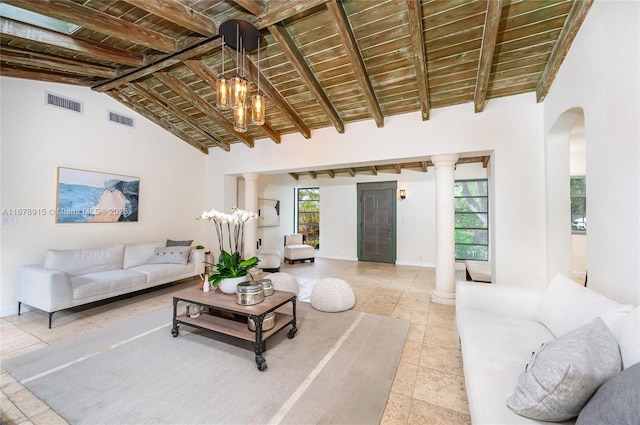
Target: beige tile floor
429	383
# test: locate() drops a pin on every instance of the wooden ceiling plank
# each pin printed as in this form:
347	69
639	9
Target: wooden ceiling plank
189	95
46	61
273	94
297	60
155	98
179	14
569	31
349	42
161	64
44	37
250	6
145	112
414	14
95	20
491	26
8	71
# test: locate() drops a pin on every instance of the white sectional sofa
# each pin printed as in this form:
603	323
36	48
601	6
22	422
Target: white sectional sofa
69	278
501	326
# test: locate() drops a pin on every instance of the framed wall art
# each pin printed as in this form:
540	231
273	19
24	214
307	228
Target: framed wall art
93	197
269	212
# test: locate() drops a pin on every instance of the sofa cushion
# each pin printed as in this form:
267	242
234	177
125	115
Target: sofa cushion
566	306
562	376
104	284
77	262
136	254
627	332
617	401
156	273
179	243
171	255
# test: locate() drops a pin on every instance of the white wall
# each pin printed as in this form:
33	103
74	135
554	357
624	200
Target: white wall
36	139
510	129
601	75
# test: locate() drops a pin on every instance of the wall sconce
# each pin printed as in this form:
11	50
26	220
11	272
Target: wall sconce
403	194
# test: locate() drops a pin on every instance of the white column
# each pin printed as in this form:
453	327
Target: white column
444	292
251	204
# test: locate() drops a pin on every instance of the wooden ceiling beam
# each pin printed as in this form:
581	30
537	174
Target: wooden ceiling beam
414	14
95	20
161	64
285	11
44	37
189	95
272	93
351	46
179	14
162	103
292	53
251	6
424	165
331	173
569	31
312	174
9	71
491	25
374	170
398	168
56	63
485	161
294	175
164	124
206	74
352	172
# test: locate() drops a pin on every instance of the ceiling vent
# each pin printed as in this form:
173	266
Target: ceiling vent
121	119
63	102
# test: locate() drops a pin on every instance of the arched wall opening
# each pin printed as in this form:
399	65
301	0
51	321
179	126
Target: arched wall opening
570	124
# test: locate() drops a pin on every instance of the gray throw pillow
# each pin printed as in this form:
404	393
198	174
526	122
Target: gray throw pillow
171	255
617	401
562	376
179	243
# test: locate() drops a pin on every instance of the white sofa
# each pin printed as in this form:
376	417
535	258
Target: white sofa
500	326
69	278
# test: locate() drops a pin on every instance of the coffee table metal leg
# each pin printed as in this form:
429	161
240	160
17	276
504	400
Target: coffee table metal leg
294	329
258	345
174	330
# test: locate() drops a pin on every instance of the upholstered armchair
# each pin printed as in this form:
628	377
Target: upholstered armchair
296	250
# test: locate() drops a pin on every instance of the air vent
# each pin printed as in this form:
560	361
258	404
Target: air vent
121	119
63	102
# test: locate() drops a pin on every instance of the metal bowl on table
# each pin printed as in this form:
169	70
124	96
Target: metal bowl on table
249	293
268	322
267	286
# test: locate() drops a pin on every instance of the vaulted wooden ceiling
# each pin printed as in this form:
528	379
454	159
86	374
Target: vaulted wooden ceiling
324	63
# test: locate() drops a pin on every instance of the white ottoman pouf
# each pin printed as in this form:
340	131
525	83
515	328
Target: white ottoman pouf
332	295
284	282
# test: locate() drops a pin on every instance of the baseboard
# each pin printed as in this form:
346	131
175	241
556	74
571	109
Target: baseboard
13	310
336	257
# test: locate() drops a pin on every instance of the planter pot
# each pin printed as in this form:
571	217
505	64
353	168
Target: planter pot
228	286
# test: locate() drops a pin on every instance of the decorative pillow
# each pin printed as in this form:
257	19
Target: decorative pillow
171	255
179	243
565	372
566	306
627	332
617	401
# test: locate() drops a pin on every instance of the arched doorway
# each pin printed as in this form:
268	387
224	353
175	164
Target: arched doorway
558	159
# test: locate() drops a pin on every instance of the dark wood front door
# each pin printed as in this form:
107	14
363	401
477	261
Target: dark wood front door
377	222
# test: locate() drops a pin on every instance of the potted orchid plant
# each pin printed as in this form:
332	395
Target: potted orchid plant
230	232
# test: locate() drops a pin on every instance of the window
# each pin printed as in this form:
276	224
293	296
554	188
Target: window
308	215
579	204
472	219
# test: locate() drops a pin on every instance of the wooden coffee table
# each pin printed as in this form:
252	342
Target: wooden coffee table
221	314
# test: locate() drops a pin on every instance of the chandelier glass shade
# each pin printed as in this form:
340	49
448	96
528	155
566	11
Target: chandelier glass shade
234	93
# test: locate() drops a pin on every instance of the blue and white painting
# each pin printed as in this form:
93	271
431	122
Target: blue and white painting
92	197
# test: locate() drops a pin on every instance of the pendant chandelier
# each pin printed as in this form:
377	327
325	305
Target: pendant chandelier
232	94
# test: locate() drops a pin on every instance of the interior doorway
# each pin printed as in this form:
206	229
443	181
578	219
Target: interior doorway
377	222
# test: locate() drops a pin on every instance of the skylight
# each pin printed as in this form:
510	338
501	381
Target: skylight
17	14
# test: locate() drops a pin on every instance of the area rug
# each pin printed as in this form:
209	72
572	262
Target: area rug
338	369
